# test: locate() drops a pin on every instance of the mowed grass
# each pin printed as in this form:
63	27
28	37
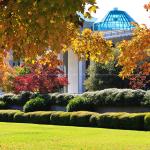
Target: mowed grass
15	136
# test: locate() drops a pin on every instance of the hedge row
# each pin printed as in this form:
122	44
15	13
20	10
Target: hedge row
89	101
136	121
21	99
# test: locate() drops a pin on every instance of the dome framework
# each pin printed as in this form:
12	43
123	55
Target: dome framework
115	20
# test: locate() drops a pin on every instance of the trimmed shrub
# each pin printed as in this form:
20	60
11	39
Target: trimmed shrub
108	120
132	121
21	117
60	118
121	121
13	99
23	97
3	105
136	121
89	101
93	120
146	99
80	118
80	103
8	98
7	115
40	117
62	99
37	104
147	121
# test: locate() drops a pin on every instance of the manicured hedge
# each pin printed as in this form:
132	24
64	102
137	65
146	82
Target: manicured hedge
3	105
135	121
147	122
60	118
121	121
40	117
88	101
61	99
7	115
109	97
80	103
16	99
37	104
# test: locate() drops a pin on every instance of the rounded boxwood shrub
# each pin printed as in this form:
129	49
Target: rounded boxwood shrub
60	118
80	103
37	104
40	117
109	120
21	117
121	121
8	98
23	97
132	121
146	99
7	115
80	118
93	120
147	121
3	105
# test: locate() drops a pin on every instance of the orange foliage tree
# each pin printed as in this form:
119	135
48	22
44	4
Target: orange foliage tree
29	27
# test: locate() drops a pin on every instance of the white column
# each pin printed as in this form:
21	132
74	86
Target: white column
73	73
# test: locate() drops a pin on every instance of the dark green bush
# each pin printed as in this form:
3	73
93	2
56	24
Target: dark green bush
147	121
135	121
93	120
3	105
8	99
121	121
40	117
23	97
62	99
80	118
80	103
108	120
132	121
146	99
89	101
102	76
21	117
13	99
60	118
7	115
37	104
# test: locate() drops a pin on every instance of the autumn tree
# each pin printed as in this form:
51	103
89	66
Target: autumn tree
29	27
91	45
44	75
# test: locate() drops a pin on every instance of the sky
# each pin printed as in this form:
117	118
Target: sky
133	7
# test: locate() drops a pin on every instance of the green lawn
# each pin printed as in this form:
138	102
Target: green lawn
15	136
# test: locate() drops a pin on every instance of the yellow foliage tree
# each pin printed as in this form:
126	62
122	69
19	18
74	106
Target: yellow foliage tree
135	52
91	45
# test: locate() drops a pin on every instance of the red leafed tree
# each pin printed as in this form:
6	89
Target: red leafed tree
42	77
140	80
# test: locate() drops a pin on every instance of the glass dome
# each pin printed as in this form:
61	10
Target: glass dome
115	20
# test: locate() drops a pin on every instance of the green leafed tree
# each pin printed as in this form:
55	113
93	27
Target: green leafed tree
101	76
